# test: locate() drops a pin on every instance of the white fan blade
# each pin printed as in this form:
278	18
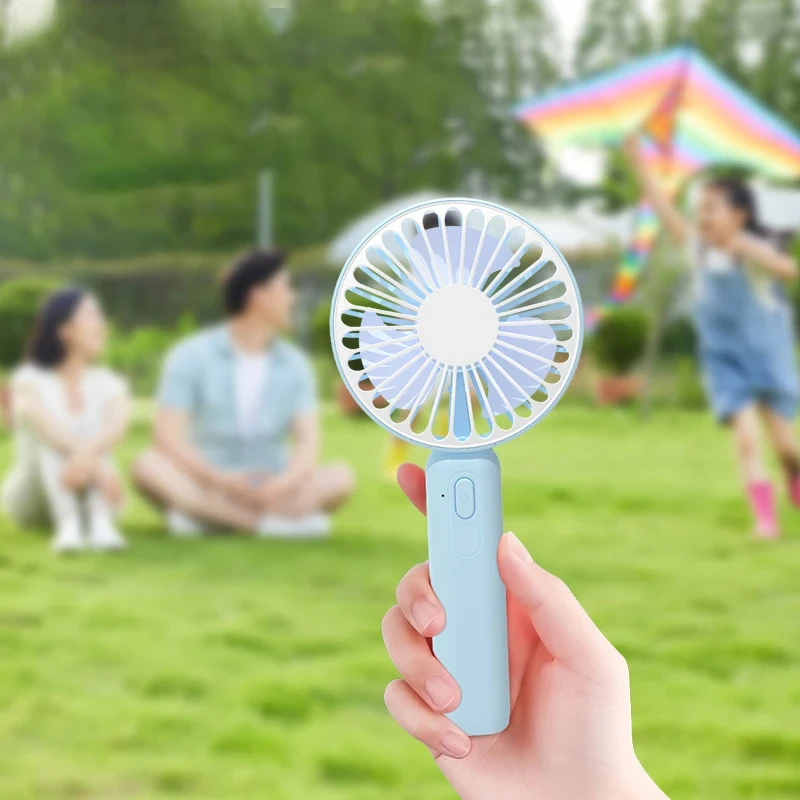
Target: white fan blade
475	264
518	375
387	361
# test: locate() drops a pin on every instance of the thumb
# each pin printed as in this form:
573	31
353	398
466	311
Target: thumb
412	481
563	627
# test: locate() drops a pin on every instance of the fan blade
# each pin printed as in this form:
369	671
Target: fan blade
408	391
460	400
388	361
518	375
475	263
431	264
422	272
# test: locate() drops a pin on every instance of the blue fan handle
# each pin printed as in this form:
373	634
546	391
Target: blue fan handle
465	523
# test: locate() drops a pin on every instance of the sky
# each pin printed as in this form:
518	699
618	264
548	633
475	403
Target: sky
27	16
570	14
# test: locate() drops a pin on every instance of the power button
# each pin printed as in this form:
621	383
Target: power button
465	498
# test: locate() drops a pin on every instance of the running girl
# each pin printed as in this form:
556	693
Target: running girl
744	326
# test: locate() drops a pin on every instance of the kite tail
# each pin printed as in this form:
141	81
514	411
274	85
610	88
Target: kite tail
645	232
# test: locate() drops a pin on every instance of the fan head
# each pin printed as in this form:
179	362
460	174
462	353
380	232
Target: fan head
456	324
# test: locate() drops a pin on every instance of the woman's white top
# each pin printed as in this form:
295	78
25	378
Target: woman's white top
99	387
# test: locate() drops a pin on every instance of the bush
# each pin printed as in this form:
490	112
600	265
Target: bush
156	289
320	325
139	354
20	300
321	331
689	390
680	339
619	339
212	217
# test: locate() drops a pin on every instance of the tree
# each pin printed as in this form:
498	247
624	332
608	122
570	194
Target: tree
379	102
511	48
718	32
614	32
674	22
137	127
773	34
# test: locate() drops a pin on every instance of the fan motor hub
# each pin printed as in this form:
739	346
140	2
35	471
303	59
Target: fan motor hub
458	325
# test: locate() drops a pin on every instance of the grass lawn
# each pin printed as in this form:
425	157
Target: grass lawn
240	670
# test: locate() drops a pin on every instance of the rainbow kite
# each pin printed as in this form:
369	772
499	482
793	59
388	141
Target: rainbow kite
691	115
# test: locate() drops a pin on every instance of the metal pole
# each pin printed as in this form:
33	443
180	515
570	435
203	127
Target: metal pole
279	16
265	193
279	13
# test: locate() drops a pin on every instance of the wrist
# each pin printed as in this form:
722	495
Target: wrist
738	244
640	786
280	484
212	479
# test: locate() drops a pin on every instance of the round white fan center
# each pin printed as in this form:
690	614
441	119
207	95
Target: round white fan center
458	325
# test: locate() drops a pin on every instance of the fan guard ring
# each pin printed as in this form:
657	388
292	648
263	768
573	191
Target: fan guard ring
456	324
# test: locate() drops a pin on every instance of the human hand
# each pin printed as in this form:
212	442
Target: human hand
737	245
271	490
632	146
239	487
570	732
110	486
79	470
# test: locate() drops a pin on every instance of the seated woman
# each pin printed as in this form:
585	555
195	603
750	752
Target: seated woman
67	414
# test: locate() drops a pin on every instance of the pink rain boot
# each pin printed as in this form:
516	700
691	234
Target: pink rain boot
762	501
794	490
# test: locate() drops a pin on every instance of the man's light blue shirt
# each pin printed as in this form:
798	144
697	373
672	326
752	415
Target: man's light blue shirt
199	378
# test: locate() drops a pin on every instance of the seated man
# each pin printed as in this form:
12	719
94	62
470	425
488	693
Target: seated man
236	431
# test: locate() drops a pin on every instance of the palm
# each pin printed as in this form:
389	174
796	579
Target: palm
555	719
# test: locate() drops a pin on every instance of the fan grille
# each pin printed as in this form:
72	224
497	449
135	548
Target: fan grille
456	324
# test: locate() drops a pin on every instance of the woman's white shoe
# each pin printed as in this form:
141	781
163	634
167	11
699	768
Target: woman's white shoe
68	537
103	534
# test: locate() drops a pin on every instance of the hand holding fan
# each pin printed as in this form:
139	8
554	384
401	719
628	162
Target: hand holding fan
457	325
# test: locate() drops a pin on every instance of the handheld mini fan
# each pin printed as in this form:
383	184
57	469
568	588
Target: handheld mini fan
456	324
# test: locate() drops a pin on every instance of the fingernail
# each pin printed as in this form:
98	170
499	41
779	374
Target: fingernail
456	744
424	613
439	692
518	549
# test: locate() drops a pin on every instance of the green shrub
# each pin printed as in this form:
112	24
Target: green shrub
689	391
321	331
213	217
139	354
156	289
20	300
680	339
619	339
321	340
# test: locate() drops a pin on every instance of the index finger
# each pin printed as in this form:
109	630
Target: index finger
418	602
412	481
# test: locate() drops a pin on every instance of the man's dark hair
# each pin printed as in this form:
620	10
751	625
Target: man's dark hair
252	269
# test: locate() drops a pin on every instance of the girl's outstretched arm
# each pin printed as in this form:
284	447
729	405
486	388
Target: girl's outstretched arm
671	218
759	252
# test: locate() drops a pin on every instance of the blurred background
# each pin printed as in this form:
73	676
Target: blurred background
143	144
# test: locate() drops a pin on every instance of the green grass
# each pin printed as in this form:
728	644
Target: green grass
240	670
